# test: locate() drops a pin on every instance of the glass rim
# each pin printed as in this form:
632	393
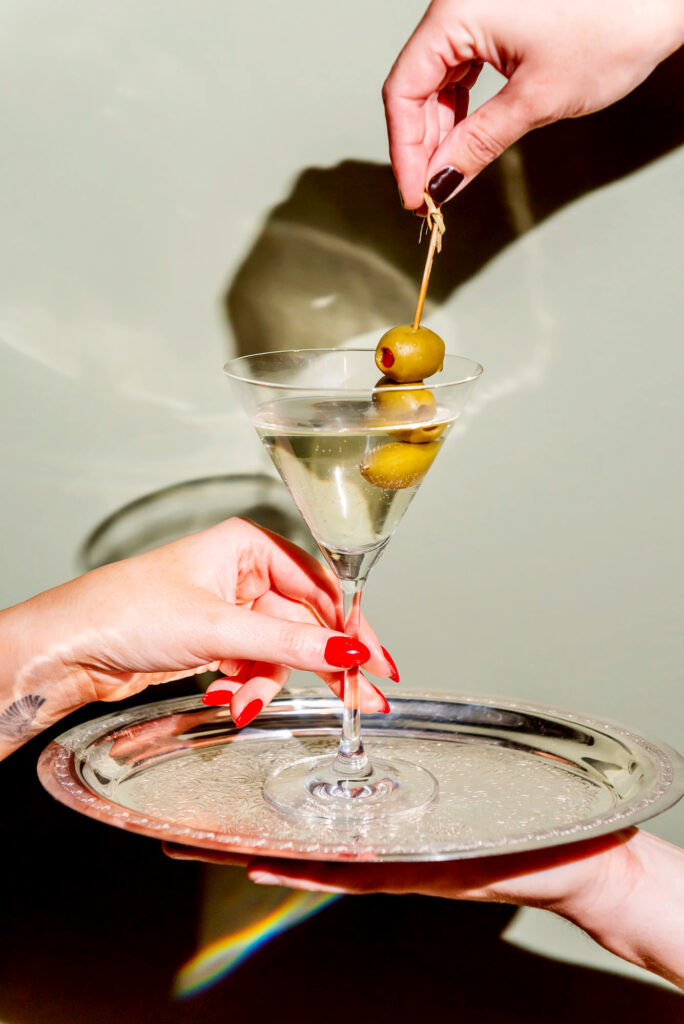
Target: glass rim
478	370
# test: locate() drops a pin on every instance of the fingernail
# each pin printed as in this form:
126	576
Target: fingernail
384	710
443	184
215	698
174	850
343	652
394	674
248	713
263	878
422	210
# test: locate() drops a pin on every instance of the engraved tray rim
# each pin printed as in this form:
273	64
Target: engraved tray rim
58	771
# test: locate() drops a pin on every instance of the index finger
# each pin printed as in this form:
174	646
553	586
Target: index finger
298	576
423	67
289	570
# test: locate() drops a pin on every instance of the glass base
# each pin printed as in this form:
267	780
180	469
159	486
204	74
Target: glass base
315	788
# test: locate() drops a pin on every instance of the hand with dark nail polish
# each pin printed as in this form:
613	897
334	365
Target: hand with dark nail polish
443	184
548	50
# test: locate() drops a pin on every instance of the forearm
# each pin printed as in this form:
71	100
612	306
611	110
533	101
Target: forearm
626	889
638	911
38	686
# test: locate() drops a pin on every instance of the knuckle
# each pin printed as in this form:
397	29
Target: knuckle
293	639
242	525
481	145
232	527
531	109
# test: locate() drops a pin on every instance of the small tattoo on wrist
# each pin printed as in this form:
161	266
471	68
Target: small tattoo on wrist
16	721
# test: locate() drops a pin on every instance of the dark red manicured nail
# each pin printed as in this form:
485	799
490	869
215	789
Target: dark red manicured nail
248	713
214	698
422	210
343	652
394	674
385	709
444	184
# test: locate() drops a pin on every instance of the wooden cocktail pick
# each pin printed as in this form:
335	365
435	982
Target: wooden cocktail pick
435	223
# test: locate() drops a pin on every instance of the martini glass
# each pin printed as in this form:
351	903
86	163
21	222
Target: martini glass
352	457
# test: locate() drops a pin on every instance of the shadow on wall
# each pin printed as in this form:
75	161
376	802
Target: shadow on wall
339	257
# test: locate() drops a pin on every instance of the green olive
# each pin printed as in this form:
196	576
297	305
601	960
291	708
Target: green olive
408	354
420	435
401	405
397	464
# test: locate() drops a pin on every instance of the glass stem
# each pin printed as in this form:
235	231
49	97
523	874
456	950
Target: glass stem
351	760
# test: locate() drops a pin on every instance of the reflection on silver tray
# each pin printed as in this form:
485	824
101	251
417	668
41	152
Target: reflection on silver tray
511	776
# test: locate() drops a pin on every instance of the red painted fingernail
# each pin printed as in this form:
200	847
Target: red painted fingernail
385	709
215	698
248	713
394	674
344	652
422	210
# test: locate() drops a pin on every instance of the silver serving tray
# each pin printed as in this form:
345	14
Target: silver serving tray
512	776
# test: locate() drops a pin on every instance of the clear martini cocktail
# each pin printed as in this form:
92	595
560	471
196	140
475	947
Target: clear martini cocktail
352	452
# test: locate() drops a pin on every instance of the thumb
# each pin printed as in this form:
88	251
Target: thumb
479	139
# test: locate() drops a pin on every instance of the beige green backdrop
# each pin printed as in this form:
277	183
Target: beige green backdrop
180	182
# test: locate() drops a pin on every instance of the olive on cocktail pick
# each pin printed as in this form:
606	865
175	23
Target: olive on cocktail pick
407	354
397	464
420	435
402	405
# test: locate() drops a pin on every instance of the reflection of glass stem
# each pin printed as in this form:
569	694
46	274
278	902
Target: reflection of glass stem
351	758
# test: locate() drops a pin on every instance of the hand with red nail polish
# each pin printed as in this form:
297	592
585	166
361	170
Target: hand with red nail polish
393	671
626	890
248	713
235	598
384	707
560	60
217	697
345	652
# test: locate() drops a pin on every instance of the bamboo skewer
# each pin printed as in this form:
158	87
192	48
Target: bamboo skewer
426	275
435	222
